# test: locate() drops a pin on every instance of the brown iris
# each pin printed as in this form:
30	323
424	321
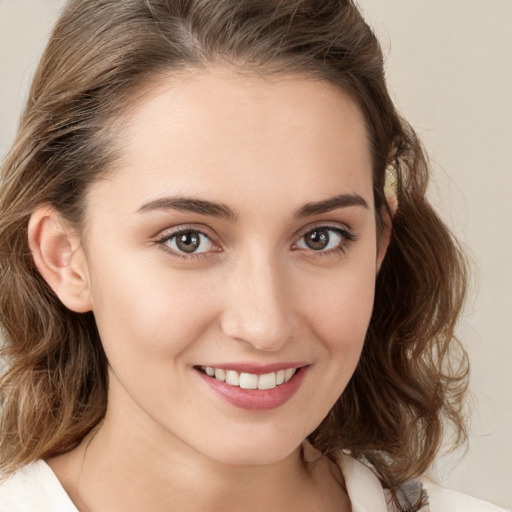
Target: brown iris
317	239
188	241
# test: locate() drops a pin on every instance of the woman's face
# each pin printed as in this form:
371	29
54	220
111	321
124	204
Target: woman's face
236	236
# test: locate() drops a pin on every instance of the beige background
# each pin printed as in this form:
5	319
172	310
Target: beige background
450	71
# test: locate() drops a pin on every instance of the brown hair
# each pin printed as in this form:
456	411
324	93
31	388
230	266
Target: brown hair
408	382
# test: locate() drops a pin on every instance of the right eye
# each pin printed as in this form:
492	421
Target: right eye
188	241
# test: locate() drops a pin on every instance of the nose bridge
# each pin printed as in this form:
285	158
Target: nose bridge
258	309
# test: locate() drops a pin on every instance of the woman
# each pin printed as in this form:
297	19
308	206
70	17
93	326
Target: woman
222	285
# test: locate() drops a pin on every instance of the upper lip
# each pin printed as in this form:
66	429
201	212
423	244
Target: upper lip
256	369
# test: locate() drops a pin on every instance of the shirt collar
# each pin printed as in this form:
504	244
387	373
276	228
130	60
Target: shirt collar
363	487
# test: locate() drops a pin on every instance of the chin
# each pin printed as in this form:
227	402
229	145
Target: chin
253	450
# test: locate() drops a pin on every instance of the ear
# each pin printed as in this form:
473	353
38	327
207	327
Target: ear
58	256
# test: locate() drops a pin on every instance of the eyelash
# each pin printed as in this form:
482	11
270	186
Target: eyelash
167	237
347	238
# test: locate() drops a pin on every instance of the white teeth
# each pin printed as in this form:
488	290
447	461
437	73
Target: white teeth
220	374
267	381
232	378
288	374
250	380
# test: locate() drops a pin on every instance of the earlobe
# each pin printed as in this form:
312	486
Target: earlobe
59	258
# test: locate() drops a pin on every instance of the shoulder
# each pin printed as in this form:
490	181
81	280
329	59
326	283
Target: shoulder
446	500
34	487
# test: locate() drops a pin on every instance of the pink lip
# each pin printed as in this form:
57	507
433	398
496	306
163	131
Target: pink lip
256	399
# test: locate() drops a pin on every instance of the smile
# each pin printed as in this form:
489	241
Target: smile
255	388
250	380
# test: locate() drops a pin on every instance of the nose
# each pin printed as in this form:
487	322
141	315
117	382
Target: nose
258	309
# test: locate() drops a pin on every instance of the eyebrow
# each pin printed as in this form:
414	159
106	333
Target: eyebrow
328	205
219	210
189	204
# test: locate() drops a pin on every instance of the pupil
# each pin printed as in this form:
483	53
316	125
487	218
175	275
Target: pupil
188	242
317	239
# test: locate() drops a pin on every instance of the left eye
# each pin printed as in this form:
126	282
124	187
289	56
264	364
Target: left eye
189	241
322	239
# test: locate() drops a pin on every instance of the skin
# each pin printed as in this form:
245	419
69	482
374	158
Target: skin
255	293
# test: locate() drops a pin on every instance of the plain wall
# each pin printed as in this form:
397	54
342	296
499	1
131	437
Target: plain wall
449	64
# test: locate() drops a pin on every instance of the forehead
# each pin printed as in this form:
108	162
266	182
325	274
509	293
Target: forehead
217	130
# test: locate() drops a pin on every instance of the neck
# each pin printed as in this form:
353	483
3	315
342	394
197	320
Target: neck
137	475
130	464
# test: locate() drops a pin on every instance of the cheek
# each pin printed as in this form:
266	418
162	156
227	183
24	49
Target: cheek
339	314
145	314
341	308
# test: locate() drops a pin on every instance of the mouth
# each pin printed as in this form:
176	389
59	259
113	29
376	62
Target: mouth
246	380
254	388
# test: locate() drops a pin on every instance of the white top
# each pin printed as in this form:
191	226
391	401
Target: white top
35	488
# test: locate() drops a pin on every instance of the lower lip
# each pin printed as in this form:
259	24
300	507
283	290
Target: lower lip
256	399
